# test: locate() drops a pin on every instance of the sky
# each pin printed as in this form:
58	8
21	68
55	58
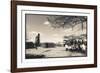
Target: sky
39	24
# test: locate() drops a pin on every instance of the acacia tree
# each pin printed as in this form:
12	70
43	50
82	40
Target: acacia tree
66	21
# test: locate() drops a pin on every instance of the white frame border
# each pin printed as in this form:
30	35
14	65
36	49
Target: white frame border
22	63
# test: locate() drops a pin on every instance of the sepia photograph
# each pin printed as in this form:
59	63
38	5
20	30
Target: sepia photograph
55	36
52	36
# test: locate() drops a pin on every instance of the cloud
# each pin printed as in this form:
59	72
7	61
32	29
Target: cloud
46	23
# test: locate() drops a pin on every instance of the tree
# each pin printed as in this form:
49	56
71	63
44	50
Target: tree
66	21
37	41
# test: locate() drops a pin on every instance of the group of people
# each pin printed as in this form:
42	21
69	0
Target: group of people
78	45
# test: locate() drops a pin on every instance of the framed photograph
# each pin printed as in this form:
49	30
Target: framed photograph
52	36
